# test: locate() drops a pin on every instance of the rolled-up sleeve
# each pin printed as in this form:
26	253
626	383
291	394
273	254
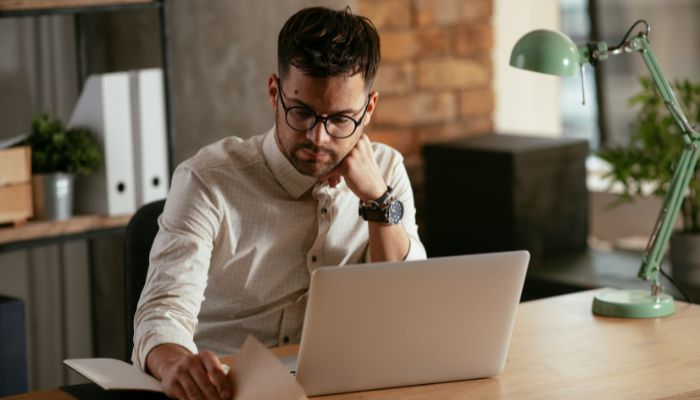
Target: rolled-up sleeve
179	262
404	192
398	180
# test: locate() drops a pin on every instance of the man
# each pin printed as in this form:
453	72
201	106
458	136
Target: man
246	222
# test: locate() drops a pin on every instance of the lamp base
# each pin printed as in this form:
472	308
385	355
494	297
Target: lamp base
632	304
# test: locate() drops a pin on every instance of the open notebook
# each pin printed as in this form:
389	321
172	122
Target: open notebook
112	374
257	374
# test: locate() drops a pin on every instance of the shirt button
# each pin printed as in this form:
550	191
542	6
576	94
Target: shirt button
285	339
313	259
324	210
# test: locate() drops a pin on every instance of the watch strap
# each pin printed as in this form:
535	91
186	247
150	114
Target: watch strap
374	214
381	201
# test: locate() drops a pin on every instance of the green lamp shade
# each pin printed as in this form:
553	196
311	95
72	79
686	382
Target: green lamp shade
546	51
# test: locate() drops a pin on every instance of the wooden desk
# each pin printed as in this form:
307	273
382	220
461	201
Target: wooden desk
559	350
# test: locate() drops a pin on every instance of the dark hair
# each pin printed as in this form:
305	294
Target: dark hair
322	42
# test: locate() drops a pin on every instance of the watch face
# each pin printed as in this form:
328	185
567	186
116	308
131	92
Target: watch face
394	213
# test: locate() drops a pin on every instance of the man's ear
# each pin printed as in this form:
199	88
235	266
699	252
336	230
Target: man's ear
373	98
272	90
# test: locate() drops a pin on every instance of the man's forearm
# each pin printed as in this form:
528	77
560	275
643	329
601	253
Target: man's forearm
387	242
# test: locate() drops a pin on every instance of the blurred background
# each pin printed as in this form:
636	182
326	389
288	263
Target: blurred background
444	75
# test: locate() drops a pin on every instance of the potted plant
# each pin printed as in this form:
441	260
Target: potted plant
58	155
647	163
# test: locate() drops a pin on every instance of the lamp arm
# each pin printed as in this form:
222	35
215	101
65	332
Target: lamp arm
593	52
641	44
658	242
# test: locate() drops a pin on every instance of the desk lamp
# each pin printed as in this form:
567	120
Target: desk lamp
554	53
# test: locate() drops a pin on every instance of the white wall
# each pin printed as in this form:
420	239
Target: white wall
526	102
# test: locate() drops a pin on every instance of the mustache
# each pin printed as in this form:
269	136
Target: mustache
314	148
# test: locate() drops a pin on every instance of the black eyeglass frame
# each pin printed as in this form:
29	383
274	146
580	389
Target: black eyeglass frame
318	117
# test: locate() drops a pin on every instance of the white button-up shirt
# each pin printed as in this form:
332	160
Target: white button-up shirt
240	234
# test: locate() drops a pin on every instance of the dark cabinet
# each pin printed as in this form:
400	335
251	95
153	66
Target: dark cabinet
505	192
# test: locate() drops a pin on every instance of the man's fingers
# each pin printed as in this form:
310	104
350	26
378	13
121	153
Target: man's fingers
334	181
205	385
365	139
175	391
190	387
216	373
332	178
195	377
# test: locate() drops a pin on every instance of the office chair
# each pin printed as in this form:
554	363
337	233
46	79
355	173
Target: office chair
140	233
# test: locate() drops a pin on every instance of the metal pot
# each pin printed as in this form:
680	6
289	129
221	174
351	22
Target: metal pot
685	258
53	195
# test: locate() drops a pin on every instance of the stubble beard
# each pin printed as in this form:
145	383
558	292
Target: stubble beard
313	168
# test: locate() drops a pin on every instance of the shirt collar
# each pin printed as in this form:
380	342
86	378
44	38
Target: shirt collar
291	180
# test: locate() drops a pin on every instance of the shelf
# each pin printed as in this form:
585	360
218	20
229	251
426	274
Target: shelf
14	5
78	9
86	227
35	7
82	226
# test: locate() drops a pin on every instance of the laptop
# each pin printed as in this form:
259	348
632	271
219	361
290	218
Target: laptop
381	325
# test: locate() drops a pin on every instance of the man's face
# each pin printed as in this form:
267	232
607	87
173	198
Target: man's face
314	152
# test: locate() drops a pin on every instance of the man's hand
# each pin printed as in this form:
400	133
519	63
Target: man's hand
360	171
188	376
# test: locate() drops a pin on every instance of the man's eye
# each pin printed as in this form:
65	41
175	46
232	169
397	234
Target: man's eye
302	113
339	120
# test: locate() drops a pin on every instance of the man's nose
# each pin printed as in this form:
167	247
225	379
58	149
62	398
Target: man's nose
318	134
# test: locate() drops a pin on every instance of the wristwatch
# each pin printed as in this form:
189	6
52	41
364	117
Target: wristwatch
386	209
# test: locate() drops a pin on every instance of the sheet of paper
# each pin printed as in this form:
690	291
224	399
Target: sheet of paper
258	374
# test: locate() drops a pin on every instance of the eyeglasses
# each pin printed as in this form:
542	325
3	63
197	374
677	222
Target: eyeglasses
302	119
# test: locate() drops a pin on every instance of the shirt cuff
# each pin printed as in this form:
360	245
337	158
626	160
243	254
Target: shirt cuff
416	251
156	337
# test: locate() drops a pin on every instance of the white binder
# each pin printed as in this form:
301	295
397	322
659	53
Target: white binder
149	135
104	108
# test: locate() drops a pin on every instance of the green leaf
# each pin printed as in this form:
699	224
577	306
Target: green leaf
57	149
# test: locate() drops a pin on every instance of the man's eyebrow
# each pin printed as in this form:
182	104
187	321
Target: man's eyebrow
301	103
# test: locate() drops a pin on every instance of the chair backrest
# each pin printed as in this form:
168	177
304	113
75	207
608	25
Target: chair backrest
140	233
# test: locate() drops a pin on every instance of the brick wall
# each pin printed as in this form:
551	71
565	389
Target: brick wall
434	82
